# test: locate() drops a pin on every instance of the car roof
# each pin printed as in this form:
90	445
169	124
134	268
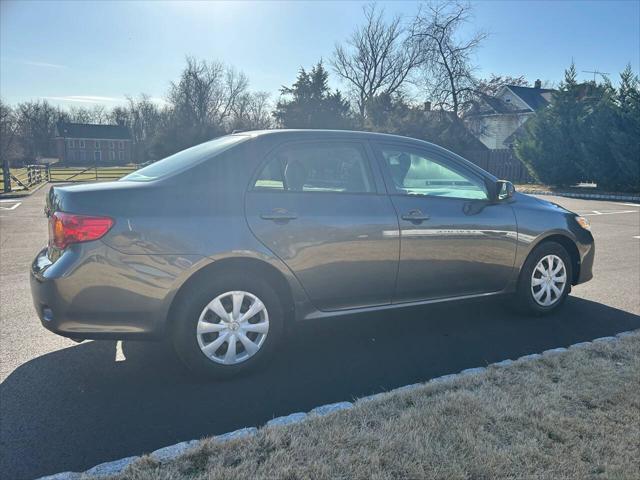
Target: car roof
354	134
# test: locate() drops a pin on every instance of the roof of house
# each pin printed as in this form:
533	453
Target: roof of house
531	96
534	98
88	130
500	106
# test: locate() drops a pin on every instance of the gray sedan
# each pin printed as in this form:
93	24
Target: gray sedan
222	246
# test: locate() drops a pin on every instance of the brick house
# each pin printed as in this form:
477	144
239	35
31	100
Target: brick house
87	144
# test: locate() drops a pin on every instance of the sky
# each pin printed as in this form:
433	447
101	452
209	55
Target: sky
87	53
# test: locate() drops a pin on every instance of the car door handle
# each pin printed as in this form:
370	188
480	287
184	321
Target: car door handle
415	216
279	215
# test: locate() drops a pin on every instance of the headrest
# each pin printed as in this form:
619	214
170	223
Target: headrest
295	174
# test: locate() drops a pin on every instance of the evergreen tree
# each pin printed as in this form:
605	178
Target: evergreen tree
599	122
591	132
552	148
625	139
309	103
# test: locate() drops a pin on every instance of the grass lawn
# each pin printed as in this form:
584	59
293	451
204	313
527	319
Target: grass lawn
572	415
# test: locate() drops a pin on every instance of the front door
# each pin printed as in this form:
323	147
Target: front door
322	209
454	241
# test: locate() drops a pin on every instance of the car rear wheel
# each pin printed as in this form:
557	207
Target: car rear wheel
228	326
545	279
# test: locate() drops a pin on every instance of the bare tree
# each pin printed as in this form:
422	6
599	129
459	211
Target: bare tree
8	132
376	59
252	112
96	114
446	59
144	119
206	92
36	122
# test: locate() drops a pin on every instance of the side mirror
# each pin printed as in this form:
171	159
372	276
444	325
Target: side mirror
504	189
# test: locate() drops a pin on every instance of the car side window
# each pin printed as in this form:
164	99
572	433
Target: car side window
416	173
317	167
270	177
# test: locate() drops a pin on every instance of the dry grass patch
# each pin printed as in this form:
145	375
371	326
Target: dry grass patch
573	415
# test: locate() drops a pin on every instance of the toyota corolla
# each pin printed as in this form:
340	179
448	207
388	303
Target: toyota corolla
222	246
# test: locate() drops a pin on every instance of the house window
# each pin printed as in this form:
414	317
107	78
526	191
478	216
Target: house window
121	155
112	145
81	143
112	155
97	144
82	156
97	155
121	145
72	143
72	155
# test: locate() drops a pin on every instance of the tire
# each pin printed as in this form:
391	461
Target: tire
190	344
528	298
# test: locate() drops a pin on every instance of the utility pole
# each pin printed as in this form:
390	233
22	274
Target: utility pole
596	72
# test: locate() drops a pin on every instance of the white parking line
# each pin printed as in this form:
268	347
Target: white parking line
12	207
630	204
596	212
119	353
637	236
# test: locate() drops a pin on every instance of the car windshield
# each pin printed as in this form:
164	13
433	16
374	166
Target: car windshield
184	159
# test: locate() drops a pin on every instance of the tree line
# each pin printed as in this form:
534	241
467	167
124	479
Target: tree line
414	77
590	132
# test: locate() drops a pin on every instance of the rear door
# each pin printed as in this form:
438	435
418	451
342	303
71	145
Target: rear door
454	240
322	208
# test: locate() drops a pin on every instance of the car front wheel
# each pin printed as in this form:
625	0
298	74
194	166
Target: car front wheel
545	279
227	327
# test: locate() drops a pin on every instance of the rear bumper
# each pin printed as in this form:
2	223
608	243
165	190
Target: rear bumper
94	292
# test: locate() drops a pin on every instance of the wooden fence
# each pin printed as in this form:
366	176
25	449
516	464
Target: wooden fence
26	178
21	179
89	174
502	163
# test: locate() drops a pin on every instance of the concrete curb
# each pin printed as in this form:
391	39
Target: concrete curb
585	196
171	452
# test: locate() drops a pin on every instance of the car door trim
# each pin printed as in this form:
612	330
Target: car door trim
318	314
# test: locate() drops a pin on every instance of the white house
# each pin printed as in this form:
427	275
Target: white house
495	120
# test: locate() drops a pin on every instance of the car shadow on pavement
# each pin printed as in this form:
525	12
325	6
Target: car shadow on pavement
74	408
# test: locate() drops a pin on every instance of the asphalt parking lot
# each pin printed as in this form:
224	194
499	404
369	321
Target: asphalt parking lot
67	406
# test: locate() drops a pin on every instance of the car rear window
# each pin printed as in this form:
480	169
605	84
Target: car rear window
185	159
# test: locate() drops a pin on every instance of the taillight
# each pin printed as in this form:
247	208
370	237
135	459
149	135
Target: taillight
67	228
